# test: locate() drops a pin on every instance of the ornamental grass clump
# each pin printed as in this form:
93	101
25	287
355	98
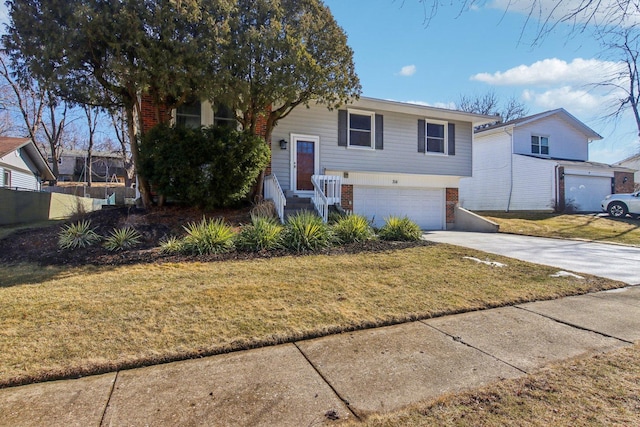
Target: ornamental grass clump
401	229
306	231
122	238
353	228
171	245
264	233
208	237
77	235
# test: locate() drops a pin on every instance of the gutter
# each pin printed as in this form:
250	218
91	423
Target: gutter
511	170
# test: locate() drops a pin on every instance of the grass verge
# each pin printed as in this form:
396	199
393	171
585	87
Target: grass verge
588	227
588	391
62	322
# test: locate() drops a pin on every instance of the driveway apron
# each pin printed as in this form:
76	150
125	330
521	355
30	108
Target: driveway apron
614	262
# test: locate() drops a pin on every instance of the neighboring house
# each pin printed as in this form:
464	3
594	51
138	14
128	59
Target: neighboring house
539	162
632	162
390	158
106	166
22	166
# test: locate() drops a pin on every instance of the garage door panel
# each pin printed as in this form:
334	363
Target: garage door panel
424	206
586	192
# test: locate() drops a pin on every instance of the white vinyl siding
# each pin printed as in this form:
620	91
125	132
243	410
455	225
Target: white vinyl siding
565	141
533	184
400	153
21	175
488	189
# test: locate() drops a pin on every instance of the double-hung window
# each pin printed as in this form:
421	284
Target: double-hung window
6	178
224	116
361	129
539	145
436	133
189	114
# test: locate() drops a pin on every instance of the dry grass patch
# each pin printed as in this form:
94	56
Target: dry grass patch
590	391
64	322
588	227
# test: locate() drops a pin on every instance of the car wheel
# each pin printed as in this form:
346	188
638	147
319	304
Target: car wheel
617	209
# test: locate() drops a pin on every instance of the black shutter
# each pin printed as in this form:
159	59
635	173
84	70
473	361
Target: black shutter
342	128
421	136
379	132
452	139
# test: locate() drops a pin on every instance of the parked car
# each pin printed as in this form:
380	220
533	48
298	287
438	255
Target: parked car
619	205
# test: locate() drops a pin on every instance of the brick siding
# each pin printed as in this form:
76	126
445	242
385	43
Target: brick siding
621	186
560	205
347	197
451	202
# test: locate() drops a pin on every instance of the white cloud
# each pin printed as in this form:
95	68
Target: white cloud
408	71
577	101
447	105
553	71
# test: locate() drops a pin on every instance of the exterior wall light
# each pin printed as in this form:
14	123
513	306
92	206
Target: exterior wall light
283	144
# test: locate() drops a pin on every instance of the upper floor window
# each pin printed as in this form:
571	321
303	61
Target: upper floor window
436	133
361	129
224	116
189	114
539	145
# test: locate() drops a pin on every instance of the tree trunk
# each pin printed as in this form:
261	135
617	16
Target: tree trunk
143	184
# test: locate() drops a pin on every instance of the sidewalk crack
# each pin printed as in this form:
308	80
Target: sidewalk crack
106	407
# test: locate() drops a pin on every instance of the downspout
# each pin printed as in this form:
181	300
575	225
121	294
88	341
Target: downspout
511	171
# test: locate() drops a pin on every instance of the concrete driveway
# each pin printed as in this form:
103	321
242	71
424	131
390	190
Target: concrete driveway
615	262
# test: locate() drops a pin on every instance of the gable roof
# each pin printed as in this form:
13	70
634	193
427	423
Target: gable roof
561	112
9	145
633	158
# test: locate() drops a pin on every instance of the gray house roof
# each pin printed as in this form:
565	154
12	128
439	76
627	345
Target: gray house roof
561	112
9	145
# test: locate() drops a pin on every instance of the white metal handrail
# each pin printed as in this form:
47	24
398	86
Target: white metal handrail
327	191
273	191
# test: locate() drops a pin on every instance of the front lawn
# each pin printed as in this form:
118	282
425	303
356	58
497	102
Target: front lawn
574	226
60	322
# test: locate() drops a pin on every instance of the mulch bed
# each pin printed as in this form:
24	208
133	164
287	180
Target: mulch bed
40	245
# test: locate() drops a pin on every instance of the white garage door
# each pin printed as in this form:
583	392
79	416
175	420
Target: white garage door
425	207
586	192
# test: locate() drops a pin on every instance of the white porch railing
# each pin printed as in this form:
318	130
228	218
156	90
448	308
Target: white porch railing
273	191
327	191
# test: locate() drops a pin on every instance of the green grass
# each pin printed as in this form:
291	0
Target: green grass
576	226
62	322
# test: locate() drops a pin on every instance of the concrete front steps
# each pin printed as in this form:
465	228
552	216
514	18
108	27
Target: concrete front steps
297	204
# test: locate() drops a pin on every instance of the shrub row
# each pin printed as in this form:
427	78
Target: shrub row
302	232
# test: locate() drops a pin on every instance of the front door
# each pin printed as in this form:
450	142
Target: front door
304	162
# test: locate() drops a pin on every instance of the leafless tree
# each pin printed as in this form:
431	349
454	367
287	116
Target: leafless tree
91	114
122	135
489	104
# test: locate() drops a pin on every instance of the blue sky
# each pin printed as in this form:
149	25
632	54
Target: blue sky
399	57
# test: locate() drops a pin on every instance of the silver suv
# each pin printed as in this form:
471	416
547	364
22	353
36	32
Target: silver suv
619	205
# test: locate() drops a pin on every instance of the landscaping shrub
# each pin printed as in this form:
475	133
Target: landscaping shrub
208	237
171	245
264	233
306	231
122	238
77	235
207	167
396	228
352	228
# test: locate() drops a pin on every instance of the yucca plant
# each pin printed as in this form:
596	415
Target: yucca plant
396	228
171	245
208	237
306	231
353	228
77	235
122	238
264	233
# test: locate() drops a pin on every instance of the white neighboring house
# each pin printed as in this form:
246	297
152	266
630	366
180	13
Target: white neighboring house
22	167
540	162
632	162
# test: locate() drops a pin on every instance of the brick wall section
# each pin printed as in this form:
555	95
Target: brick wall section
621	186
261	130
451	202
560	202
149	118
347	197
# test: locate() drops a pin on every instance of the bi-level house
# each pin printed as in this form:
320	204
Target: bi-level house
540	162
373	157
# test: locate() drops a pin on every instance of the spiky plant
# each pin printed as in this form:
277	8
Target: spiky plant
208	237
264	233
306	231
353	228
122	238
403	229
77	235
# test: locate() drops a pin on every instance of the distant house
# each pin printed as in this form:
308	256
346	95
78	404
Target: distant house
539	162
22	166
633	162
107	166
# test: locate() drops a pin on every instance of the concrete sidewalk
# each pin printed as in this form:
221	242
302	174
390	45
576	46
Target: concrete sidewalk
340	376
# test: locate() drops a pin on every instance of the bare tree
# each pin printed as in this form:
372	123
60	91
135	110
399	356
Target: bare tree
489	104
91	114
122	135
